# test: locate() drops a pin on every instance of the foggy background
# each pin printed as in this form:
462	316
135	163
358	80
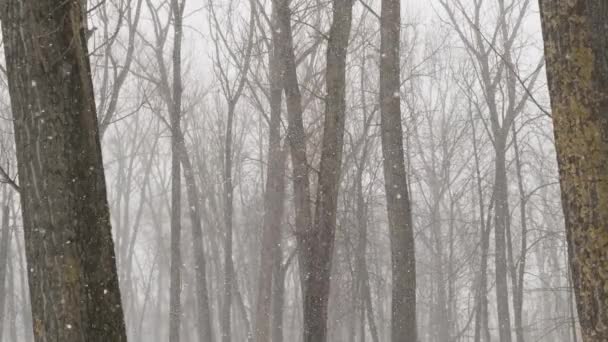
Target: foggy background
449	157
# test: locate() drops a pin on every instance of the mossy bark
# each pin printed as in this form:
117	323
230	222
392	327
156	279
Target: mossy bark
577	69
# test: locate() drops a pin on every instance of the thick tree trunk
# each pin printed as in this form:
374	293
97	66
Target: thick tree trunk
68	241
403	308
576	49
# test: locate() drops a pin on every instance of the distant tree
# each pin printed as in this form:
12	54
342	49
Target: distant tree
5	238
232	92
273	197
403	256
175	113
318	247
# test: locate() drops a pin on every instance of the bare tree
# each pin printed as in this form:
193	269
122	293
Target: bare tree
232	93
274	195
318	247
502	112
175	113
403	257
111	90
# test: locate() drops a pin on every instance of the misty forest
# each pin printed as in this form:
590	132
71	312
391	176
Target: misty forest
304	171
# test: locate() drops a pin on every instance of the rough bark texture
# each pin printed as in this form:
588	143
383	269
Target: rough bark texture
576	49
403	307
72	273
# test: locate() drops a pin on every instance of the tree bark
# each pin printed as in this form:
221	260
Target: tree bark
73	280
576	50
228	209
501	218
403	307
482	332
363	287
318	245
205	328
518	272
278	298
175	112
295	132
273	197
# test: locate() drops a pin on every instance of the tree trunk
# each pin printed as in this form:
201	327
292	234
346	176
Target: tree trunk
519	270
175	111
68	241
500	222
205	328
278	298
295	133
273	199
319	243
228	208
403	308
364	291
481	314
576	49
